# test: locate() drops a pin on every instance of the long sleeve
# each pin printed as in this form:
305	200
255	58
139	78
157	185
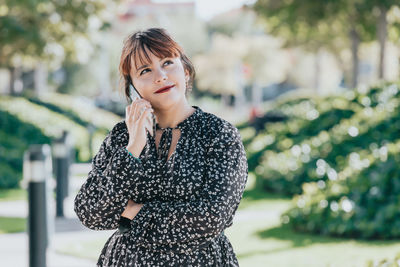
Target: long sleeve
105	194
184	225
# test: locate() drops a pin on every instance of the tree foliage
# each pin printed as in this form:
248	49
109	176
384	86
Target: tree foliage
315	23
332	24
47	30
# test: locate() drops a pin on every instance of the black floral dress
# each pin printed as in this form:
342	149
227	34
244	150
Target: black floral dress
189	198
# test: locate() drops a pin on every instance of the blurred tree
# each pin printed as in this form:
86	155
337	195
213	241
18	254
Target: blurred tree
238	61
240	55
266	62
380	9
217	69
243	20
328	24
50	32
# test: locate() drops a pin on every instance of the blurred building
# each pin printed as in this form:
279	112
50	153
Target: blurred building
133	9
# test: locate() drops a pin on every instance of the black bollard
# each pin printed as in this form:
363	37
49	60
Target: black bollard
37	168
61	160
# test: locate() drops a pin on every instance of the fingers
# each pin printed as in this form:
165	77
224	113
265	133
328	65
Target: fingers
130	203
145	115
134	110
144	120
140	101
127	112
149	125
140	112
138	107
139	115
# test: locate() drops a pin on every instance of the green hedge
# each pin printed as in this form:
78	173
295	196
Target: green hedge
306	117
287	160
15	138
28	120
363	204
354	173
52	124
67	113
84	109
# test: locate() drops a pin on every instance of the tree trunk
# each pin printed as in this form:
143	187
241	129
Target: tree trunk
40	79
317	74
225	99
382	35
355	44
15	85
240	100
11	87
256	94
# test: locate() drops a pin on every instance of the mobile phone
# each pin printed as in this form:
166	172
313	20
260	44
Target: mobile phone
134	93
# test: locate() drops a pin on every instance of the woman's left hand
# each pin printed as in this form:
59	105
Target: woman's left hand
131	209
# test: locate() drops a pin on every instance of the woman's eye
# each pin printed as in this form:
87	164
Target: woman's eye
168	62
144	71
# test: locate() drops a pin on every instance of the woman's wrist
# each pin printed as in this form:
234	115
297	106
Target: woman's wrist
133	151
131	210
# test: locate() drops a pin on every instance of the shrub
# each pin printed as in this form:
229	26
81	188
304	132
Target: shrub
15	138
355	184
363	203
287	164
51	123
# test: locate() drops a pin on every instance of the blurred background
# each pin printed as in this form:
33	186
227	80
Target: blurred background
313	87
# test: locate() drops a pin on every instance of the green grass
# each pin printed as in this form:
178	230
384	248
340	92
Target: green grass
265	242
12	225
256	200
13	194
260	240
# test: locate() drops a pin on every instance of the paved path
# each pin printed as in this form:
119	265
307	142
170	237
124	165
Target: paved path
14	250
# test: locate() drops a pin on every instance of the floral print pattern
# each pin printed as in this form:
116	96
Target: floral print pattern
189	198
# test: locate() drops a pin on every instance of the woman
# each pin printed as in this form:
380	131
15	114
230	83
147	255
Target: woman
170	191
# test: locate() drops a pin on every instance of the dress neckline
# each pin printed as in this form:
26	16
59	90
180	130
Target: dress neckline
186	122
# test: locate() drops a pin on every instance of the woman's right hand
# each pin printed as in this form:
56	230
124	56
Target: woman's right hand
138	118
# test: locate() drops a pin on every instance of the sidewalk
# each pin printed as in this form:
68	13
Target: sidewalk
69	230
14	250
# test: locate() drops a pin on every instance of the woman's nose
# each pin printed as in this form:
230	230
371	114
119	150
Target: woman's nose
161	75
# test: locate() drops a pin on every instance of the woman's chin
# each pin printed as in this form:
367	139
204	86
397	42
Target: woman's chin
166	102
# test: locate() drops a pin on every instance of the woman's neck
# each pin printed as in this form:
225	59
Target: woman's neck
173	116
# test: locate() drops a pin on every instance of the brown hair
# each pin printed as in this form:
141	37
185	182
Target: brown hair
158	42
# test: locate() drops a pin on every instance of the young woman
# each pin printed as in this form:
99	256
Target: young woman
171	191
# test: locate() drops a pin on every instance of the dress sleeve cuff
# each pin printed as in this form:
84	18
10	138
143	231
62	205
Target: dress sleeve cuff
141	222
133	155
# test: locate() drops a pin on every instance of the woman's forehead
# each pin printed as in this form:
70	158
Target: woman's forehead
142	56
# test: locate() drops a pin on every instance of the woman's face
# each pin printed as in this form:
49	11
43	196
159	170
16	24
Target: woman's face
160	73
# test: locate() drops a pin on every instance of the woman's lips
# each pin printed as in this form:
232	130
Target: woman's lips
164	90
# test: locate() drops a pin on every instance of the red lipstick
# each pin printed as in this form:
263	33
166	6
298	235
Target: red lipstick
164	89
